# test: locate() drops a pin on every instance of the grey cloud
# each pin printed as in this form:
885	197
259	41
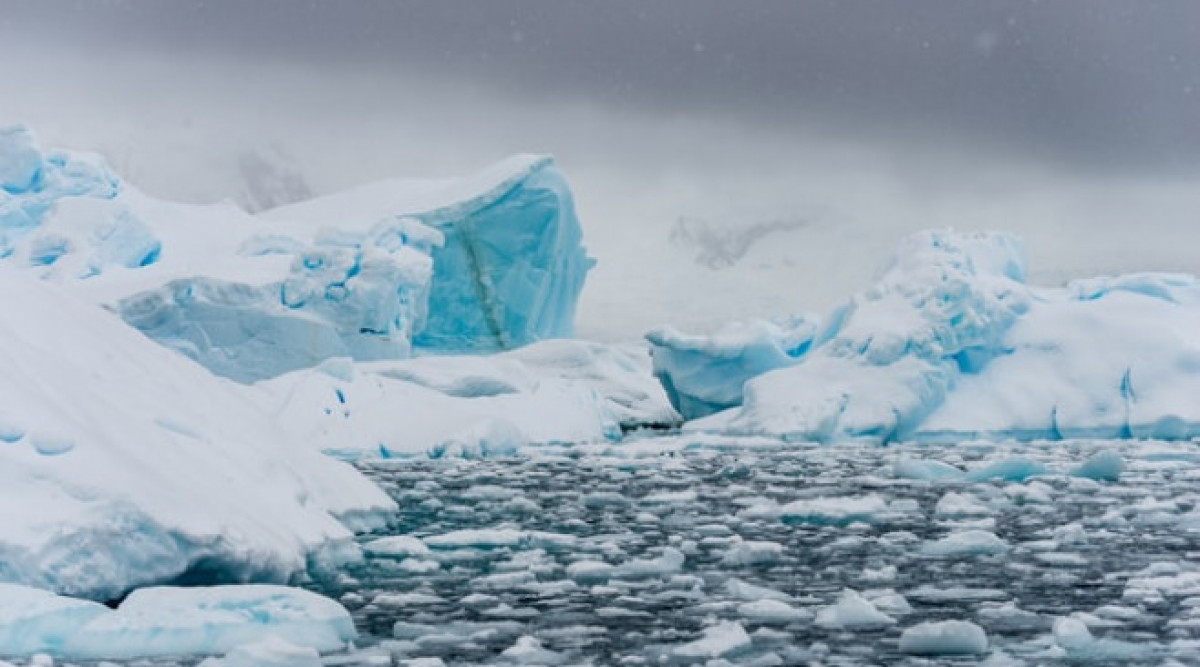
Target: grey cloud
1095	83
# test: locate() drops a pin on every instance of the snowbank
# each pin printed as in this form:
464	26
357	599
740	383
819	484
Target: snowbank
951	344
123	464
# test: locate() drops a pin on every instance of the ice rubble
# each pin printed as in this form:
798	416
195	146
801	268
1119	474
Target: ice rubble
124	465
170	621
488	262
952	344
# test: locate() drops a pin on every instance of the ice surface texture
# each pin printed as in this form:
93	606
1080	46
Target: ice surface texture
169	621
951	344
484	263
123	464
705	374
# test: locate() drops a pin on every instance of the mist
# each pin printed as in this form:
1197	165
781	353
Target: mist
798	144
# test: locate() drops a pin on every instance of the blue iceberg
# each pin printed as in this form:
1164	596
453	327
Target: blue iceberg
951	344
704	374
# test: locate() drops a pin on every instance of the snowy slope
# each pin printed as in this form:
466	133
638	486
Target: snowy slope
123	464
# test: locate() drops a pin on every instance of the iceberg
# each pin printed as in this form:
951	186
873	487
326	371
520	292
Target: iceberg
705	374
552	392
162	622
124	465
951	344
512	263
484	263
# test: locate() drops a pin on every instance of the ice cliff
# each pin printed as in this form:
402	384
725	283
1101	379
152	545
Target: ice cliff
489	262
950	343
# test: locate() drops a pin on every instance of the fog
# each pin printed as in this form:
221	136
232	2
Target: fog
793	142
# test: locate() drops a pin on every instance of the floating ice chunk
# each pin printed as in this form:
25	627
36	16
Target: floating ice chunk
196	621
1152	584
966	543
742	590
958	505
944	638
753	553
773	612
889	602
1016	469
1105	466
852	612
268	652
670	562
1074	637
705	374
589	571
33	620
397	546
726	638
926	469
529	651
834	511
487	538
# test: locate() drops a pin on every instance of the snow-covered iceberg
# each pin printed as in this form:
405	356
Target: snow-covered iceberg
483	263
951	344
123	464
512	264
552	392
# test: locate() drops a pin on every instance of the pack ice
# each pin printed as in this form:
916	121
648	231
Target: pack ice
489	262
951	343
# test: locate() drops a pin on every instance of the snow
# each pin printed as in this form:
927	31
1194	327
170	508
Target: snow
170	621
136	467
705	374
944	638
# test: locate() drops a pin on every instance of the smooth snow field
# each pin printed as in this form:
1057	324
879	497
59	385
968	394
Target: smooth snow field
699	550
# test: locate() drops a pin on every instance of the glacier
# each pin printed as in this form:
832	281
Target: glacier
484	263
952	344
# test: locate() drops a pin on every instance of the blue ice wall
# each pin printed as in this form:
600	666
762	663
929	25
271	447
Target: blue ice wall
510	272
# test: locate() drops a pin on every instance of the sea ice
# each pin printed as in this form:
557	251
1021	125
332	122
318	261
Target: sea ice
853	612
944	638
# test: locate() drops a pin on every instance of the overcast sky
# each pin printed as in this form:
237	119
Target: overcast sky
1073	123
1099	82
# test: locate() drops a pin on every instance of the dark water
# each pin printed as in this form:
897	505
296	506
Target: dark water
1068	545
